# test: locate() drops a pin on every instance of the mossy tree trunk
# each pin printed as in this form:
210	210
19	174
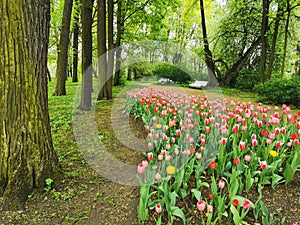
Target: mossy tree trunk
27	156
76	40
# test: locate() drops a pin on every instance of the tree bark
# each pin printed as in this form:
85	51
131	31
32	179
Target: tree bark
101	39
274	41
87	69
62	57
111	51
208	55
75	41
264	42
239	64
27	156
286	31
120	27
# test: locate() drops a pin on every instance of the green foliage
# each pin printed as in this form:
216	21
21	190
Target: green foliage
172	72
277	91
246	80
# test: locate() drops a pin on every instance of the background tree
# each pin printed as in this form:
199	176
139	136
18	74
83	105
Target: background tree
87	41
27	156
62	58
76	15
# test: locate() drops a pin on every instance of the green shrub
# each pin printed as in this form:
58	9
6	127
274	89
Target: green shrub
172	72
277	91
246	80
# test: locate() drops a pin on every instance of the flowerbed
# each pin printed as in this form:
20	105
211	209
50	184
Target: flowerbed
238	146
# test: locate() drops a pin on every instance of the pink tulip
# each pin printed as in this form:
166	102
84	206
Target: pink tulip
210	208
296	141
168	157
254	142
207	129
242	145
201	205
263	165
141	168
150	156
198	155
168	146
178	133
224	141
247	204
145	163
149	145
247	158
278	144
221	184
158	208
157	176
160	157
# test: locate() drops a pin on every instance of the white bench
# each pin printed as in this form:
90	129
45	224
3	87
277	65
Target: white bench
198	84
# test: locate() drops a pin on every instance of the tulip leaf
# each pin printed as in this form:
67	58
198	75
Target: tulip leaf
179	213
288	173
197	194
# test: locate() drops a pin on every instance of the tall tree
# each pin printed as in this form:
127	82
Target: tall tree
62	58
75	40
208	55
27	156
87	40
120	28
264	39
101	40
274	39
111	51
286	31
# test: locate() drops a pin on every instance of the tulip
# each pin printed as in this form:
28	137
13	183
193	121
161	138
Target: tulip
296	141
168	146
224	141
247	158
242	145
141	168
221	184
254	142
213	165
263	165
235	202
160	157
198	155
210	208
149	145
236	161
158	208
168	157
157	176
201	205
150	156
246	204
210	196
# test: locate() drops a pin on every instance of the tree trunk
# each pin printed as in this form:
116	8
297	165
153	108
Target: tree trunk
101	39
120	27
274	41
264	40
239	64
62	57
76	40
27	157
111	52
87	69
129	72
208	55
286	31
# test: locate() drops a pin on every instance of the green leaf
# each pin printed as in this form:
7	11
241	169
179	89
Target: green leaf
288	173
276	180
179	213
236	216
197	194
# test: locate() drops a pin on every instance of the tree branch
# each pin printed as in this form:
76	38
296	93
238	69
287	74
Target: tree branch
138	9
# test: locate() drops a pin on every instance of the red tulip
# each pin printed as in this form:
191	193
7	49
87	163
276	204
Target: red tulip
235	202
264	133
236	161
213	165
246	204
158	208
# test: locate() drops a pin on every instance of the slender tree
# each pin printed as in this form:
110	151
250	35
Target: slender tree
62	57
101	40
111	51
87	40
75	40
286	31
274	40
27	157
120	28
264	40
208	55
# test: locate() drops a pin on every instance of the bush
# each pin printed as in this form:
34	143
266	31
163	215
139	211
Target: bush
277	91
246	80
172	72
